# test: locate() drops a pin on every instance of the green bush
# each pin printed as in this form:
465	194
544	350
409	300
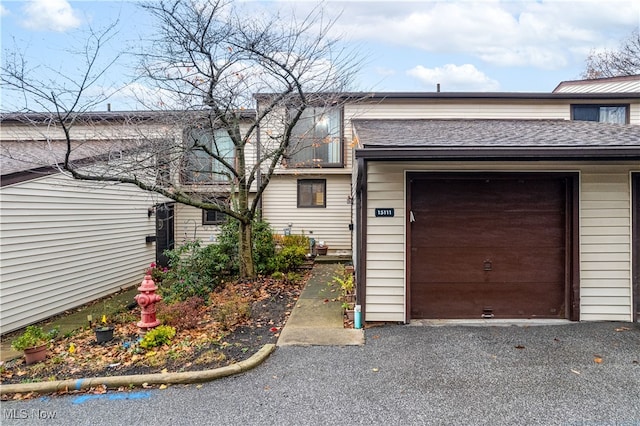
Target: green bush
264	247
290	258
292	254
226	249
161	335
193	271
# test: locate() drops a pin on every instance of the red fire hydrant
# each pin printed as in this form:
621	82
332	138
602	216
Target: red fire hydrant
147	299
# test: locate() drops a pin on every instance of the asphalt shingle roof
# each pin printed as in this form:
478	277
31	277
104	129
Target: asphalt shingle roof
427	133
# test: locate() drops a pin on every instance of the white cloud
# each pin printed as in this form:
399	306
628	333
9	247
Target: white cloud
50	15
546	34
453	78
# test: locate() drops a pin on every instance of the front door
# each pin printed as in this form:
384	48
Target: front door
165	239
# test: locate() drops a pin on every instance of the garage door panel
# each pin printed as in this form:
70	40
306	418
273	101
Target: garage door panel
480	265
497	244
470	194
470	301
522	230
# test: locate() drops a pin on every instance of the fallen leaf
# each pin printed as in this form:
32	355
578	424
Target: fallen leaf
163	386
376	337
164	371
575	372
375	370
519	347
623	329
597	360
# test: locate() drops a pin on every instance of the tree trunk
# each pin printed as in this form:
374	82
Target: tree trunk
247	269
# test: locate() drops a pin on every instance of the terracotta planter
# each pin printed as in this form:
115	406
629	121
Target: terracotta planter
321	250
36	354
104	334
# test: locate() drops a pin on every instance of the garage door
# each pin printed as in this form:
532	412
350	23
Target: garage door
488	246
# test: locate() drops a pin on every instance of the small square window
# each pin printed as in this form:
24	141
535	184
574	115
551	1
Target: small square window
212	217
312	193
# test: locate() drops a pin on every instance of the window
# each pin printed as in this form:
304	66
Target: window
316	139
600	113
312	193
199	166
212	217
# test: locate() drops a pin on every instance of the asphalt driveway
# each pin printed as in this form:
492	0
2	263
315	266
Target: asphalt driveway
573	374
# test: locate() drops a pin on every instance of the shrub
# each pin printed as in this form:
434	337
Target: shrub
157	273
193	272
264	247
289	258
293	253
161	335
229	308
182	315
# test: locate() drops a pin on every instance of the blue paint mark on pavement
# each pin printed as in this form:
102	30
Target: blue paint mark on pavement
112	397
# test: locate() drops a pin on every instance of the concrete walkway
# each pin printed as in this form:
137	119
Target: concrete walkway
316	319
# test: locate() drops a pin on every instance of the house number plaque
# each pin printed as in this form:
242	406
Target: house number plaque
385	212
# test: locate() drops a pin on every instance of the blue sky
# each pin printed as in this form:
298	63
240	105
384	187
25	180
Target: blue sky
486	45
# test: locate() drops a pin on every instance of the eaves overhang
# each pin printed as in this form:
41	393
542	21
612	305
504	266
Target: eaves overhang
499	154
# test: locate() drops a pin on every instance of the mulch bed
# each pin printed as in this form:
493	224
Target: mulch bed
217	340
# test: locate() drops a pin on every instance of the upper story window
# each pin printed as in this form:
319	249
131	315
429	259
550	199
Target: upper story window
199	165
316	139
601	113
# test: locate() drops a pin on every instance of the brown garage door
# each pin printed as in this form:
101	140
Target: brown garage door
492	246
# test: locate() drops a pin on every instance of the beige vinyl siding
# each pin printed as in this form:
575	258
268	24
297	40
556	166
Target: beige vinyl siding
330	224
634	113
605	235
385	259
394	109
605	245
65	243
447	109
188	226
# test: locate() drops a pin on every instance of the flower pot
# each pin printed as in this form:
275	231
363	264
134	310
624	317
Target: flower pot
104	334
321	250
36	354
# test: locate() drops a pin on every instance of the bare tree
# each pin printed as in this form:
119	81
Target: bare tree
625	60
209	64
